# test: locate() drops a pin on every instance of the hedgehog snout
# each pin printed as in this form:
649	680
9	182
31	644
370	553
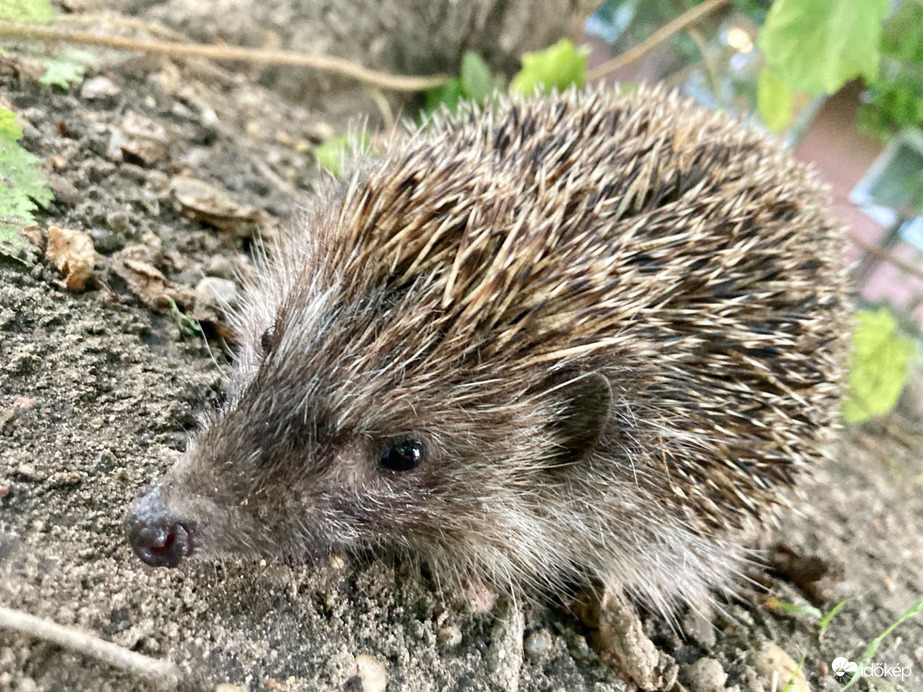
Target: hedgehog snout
160	537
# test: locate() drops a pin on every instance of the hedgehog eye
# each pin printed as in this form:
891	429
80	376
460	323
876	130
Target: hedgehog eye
268	340
404	456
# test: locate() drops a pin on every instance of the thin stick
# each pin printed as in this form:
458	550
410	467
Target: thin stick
686	19
321	63
164	674
886	256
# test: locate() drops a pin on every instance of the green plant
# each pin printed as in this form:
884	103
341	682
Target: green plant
23	189
879	366
794	608
187	326
26	11
67	68
556	67
792	679
475	83
832	613
895	99
331	154
873	645
816	46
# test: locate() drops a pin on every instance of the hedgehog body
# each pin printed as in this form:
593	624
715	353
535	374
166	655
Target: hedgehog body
591	336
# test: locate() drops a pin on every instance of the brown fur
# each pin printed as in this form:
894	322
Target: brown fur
617	321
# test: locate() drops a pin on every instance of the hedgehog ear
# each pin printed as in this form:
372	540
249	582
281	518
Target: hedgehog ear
587	403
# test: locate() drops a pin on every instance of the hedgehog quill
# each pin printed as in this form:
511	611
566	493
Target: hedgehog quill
585	337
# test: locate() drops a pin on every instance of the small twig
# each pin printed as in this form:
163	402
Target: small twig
381	102
164	674
686	19
321	63
708	60
886	256
908	439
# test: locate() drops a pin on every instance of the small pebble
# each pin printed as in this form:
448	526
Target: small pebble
370	672
579	648
699	629
775	664
212	292
27	472
27	685
118	221
98	88
705	675
538	645
449	636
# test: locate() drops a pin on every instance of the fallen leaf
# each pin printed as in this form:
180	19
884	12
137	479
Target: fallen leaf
73	254
205	203
149	284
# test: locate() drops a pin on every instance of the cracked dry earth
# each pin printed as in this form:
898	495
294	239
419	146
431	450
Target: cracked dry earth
98	388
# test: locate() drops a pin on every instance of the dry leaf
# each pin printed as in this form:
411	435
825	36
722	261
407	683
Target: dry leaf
149	284
73	254
205	203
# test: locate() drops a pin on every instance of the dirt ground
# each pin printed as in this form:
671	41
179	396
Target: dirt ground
99	387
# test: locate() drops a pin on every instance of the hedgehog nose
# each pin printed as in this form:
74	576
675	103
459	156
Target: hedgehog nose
159	537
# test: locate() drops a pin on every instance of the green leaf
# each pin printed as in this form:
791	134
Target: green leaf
476	81
187	325
879	366
895	100
793	608
790	685
476	84
773	101
26	11
331	154
828	618
449	94
556	67
818	45
9	128
62	73
23	188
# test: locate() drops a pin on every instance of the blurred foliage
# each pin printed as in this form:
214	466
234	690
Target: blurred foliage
879	366
476	83
895	100
26	11
774	100
556	67
62	73
819	45
331	155
68	66
23	189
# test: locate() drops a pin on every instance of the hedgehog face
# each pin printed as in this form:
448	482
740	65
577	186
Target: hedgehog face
365	449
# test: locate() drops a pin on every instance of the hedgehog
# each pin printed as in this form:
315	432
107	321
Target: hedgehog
592	337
